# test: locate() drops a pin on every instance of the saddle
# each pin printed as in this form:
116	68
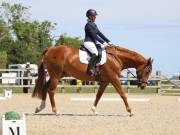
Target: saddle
85	55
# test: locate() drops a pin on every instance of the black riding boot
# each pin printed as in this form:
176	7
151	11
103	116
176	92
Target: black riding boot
91	64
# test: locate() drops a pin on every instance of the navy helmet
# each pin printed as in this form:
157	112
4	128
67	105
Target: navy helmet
91	12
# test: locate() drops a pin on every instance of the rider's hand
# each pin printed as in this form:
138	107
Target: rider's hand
109	43
104	45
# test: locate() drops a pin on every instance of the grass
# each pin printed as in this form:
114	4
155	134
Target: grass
171	92
85	90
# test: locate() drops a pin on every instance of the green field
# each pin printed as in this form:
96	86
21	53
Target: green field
86	90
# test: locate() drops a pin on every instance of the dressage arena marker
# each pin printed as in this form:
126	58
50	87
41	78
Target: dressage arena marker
110	99
13	127
7	94
179	99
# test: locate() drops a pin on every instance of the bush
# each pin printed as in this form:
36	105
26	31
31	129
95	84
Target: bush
12	116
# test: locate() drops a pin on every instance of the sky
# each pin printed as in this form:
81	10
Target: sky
149	27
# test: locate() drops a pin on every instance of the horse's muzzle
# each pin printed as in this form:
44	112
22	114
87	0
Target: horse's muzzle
142	85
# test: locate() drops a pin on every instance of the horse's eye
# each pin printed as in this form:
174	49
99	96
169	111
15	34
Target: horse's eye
147	71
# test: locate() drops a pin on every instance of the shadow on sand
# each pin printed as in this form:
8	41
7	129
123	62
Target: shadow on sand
76	114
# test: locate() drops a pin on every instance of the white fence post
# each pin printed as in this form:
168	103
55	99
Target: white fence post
158	77
128	81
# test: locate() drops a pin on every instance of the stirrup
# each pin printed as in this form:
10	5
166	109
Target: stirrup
90	72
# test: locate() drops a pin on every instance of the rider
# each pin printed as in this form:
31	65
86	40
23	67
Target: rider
92	37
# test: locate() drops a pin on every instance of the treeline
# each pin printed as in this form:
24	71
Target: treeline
23	39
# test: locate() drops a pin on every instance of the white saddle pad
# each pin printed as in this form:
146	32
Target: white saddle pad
85	57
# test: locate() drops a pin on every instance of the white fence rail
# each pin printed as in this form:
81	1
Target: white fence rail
157	81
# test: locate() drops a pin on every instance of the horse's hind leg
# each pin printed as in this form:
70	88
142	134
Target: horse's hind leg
52	87
119	89
98	95
41	107
43	102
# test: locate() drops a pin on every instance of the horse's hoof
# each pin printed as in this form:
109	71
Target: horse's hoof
131	114
93	109
37	110
57	113
95	112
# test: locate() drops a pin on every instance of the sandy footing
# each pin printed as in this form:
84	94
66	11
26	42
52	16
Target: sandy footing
159	116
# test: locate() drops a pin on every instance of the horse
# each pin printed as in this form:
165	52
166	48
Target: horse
63	59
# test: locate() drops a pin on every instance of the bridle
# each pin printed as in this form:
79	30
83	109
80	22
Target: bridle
146	67
139	81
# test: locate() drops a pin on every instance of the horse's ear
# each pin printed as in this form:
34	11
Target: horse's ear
149	64
150	61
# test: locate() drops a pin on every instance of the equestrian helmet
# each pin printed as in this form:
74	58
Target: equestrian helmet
91	12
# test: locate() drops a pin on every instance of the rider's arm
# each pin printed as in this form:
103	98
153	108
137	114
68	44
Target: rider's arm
93	34
103	37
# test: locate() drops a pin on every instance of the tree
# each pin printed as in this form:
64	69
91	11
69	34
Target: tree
11	12
24	40
4	31
29	37
67	40
3	59
32	37
44	34
5	36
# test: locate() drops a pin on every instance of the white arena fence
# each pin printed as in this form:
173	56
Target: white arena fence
159	81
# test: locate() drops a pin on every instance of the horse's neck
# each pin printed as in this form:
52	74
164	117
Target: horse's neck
130	62
130	59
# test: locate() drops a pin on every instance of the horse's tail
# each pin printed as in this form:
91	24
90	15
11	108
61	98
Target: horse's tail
40	89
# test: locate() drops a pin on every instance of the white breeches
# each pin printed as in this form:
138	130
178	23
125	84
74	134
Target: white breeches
91	47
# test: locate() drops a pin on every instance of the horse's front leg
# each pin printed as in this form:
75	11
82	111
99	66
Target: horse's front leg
121	92
101	89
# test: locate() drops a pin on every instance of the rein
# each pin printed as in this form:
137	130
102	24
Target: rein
112	53
139	82
131	73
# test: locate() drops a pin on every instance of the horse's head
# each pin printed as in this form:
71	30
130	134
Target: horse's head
143	73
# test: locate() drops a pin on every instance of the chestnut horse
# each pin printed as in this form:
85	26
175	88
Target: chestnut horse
63	60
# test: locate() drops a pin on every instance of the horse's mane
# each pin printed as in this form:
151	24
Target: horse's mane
116	50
